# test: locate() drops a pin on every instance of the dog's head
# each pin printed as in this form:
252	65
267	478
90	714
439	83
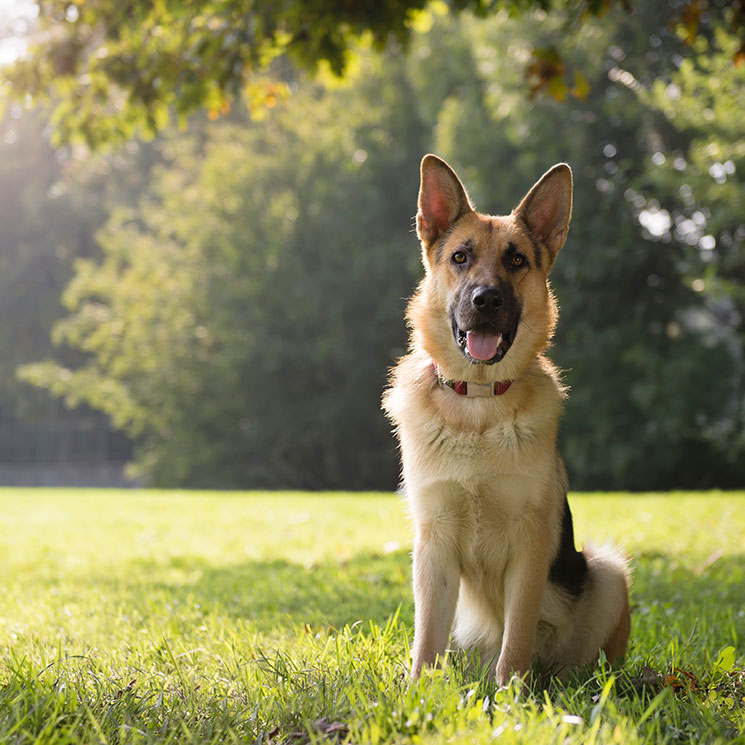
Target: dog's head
484	308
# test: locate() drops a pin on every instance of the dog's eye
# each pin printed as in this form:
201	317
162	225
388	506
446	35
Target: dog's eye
460	257
517	260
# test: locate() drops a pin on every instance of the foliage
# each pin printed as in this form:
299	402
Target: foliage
207	617
240	323
32	272
116	69
696	193
633	362
242	318
52	202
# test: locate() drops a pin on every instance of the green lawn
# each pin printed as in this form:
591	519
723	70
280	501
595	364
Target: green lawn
183	617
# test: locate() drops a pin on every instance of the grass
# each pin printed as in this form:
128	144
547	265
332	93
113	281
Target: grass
285	619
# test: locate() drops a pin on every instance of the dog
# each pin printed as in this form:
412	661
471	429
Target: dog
475	406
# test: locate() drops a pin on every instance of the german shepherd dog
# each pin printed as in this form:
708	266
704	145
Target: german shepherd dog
475	404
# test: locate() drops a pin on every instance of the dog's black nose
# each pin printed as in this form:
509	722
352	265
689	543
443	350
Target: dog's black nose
487	299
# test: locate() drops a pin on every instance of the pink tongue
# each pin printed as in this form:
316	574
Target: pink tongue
482	346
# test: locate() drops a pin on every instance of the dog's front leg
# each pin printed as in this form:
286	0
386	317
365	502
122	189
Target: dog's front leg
525	583
436	580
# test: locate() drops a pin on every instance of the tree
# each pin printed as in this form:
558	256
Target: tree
240	323
695	199
52	202
117	68
241	320
637	410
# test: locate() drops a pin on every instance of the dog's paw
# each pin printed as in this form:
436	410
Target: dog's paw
508	671
515	687
421	661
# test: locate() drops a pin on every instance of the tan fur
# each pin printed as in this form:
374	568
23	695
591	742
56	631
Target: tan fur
615	647
483	478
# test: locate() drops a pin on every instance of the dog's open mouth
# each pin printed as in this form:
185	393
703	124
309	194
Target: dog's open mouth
483	345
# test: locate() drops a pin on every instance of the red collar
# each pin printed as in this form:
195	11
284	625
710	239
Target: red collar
474	390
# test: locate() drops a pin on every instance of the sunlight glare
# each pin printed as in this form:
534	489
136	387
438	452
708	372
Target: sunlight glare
16	23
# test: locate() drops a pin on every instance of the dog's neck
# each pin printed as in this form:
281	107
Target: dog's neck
473	390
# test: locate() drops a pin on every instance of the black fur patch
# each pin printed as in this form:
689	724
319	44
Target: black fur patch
440	244
504	319
537	253
537	250
507	259
569	568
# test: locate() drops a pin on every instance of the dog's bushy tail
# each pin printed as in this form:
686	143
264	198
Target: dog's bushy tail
574	630
603	617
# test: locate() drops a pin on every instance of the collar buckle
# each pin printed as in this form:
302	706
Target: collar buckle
472	390
480	390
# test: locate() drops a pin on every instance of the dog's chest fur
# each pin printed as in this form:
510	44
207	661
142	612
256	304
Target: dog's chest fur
482	470
475	442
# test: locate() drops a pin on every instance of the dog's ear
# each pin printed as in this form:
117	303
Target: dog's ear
442	200
547	208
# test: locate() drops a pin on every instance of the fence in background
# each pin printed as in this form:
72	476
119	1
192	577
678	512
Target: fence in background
65	450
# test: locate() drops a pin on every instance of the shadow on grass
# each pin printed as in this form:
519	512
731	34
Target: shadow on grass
701	606
279	594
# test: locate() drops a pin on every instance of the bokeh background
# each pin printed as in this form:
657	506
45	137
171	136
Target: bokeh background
212	299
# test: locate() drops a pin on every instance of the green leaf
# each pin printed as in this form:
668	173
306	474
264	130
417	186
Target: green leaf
725	662
558	88
581	88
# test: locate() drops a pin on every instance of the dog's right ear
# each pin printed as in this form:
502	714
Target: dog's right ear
442	200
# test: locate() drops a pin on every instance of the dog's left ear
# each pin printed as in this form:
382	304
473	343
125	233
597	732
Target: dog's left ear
547	208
